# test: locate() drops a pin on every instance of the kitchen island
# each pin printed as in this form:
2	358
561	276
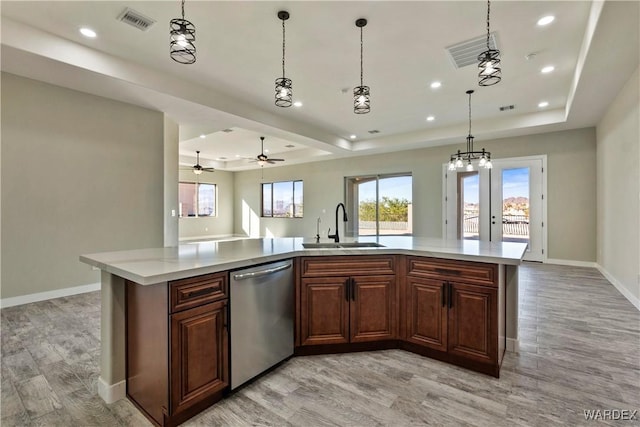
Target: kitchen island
148	267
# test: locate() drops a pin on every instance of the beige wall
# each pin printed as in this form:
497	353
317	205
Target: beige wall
80	174
571	160
222	223
171	229
618	188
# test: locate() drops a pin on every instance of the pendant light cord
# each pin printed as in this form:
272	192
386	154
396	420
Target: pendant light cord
283	46
470	137
361	44
488	13
182	9
469	114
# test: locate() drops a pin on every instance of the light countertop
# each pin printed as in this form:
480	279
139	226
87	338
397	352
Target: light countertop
155	265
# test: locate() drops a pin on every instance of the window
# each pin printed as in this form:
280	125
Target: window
197	199
380	205
282	199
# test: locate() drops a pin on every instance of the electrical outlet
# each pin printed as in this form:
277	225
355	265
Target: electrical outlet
173	212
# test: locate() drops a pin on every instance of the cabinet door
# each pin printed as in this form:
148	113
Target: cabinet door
473	329
426	311
199	354
373	314
324	311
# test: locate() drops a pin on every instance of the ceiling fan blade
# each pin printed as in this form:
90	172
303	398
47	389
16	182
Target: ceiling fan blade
208	169
276	160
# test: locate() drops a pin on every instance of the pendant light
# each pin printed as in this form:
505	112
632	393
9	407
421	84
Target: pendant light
361	99
181	37
464	158
489	72
284	88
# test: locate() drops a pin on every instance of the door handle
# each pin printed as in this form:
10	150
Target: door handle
347	289
450	295
442	293
353	289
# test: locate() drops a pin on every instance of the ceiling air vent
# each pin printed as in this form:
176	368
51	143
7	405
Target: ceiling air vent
374	131
136	19
507	107
227	130
466	53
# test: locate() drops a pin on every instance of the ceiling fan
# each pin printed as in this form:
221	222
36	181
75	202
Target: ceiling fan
262	158
197	168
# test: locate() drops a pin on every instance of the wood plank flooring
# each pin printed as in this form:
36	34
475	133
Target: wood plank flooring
580	350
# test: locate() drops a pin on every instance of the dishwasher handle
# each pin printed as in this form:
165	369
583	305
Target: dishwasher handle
261	273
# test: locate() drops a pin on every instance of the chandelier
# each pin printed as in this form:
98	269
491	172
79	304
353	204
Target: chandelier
181	38
489	61
459	159
284	87
361	99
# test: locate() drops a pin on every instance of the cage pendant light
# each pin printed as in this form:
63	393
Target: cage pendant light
284	86
182	36
464	158
489	71
361	98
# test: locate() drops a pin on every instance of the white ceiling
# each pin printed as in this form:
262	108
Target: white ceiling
239	56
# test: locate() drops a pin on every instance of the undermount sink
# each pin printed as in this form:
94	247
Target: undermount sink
342	245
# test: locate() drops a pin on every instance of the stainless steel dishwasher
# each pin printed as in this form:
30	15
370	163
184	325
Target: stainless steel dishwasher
261	319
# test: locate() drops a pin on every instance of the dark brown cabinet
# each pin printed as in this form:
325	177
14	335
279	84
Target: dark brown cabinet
177	346
473	329
353	305
199	361
452	312
427	313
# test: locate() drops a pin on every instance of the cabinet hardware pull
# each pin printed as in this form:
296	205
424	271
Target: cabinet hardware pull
347	289
442	293
448	271
450	295
199	292
353	289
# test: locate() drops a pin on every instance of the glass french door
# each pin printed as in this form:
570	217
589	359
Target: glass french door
501	204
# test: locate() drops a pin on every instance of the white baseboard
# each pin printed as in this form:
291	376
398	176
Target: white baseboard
111	393
571	262
212	237
42	296
513	345
620	287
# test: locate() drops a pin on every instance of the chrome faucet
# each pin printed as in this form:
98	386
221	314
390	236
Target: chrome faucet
336	237
318	230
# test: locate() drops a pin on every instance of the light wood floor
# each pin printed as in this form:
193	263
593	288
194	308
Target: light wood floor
580	350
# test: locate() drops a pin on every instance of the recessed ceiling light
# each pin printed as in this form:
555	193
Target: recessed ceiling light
237	155
548	69
435	85
297	104
88	32
430	118
352	137
546	20
543	104
203	136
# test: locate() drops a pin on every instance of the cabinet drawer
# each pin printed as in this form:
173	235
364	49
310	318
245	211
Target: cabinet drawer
195	291
436	268
347	265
